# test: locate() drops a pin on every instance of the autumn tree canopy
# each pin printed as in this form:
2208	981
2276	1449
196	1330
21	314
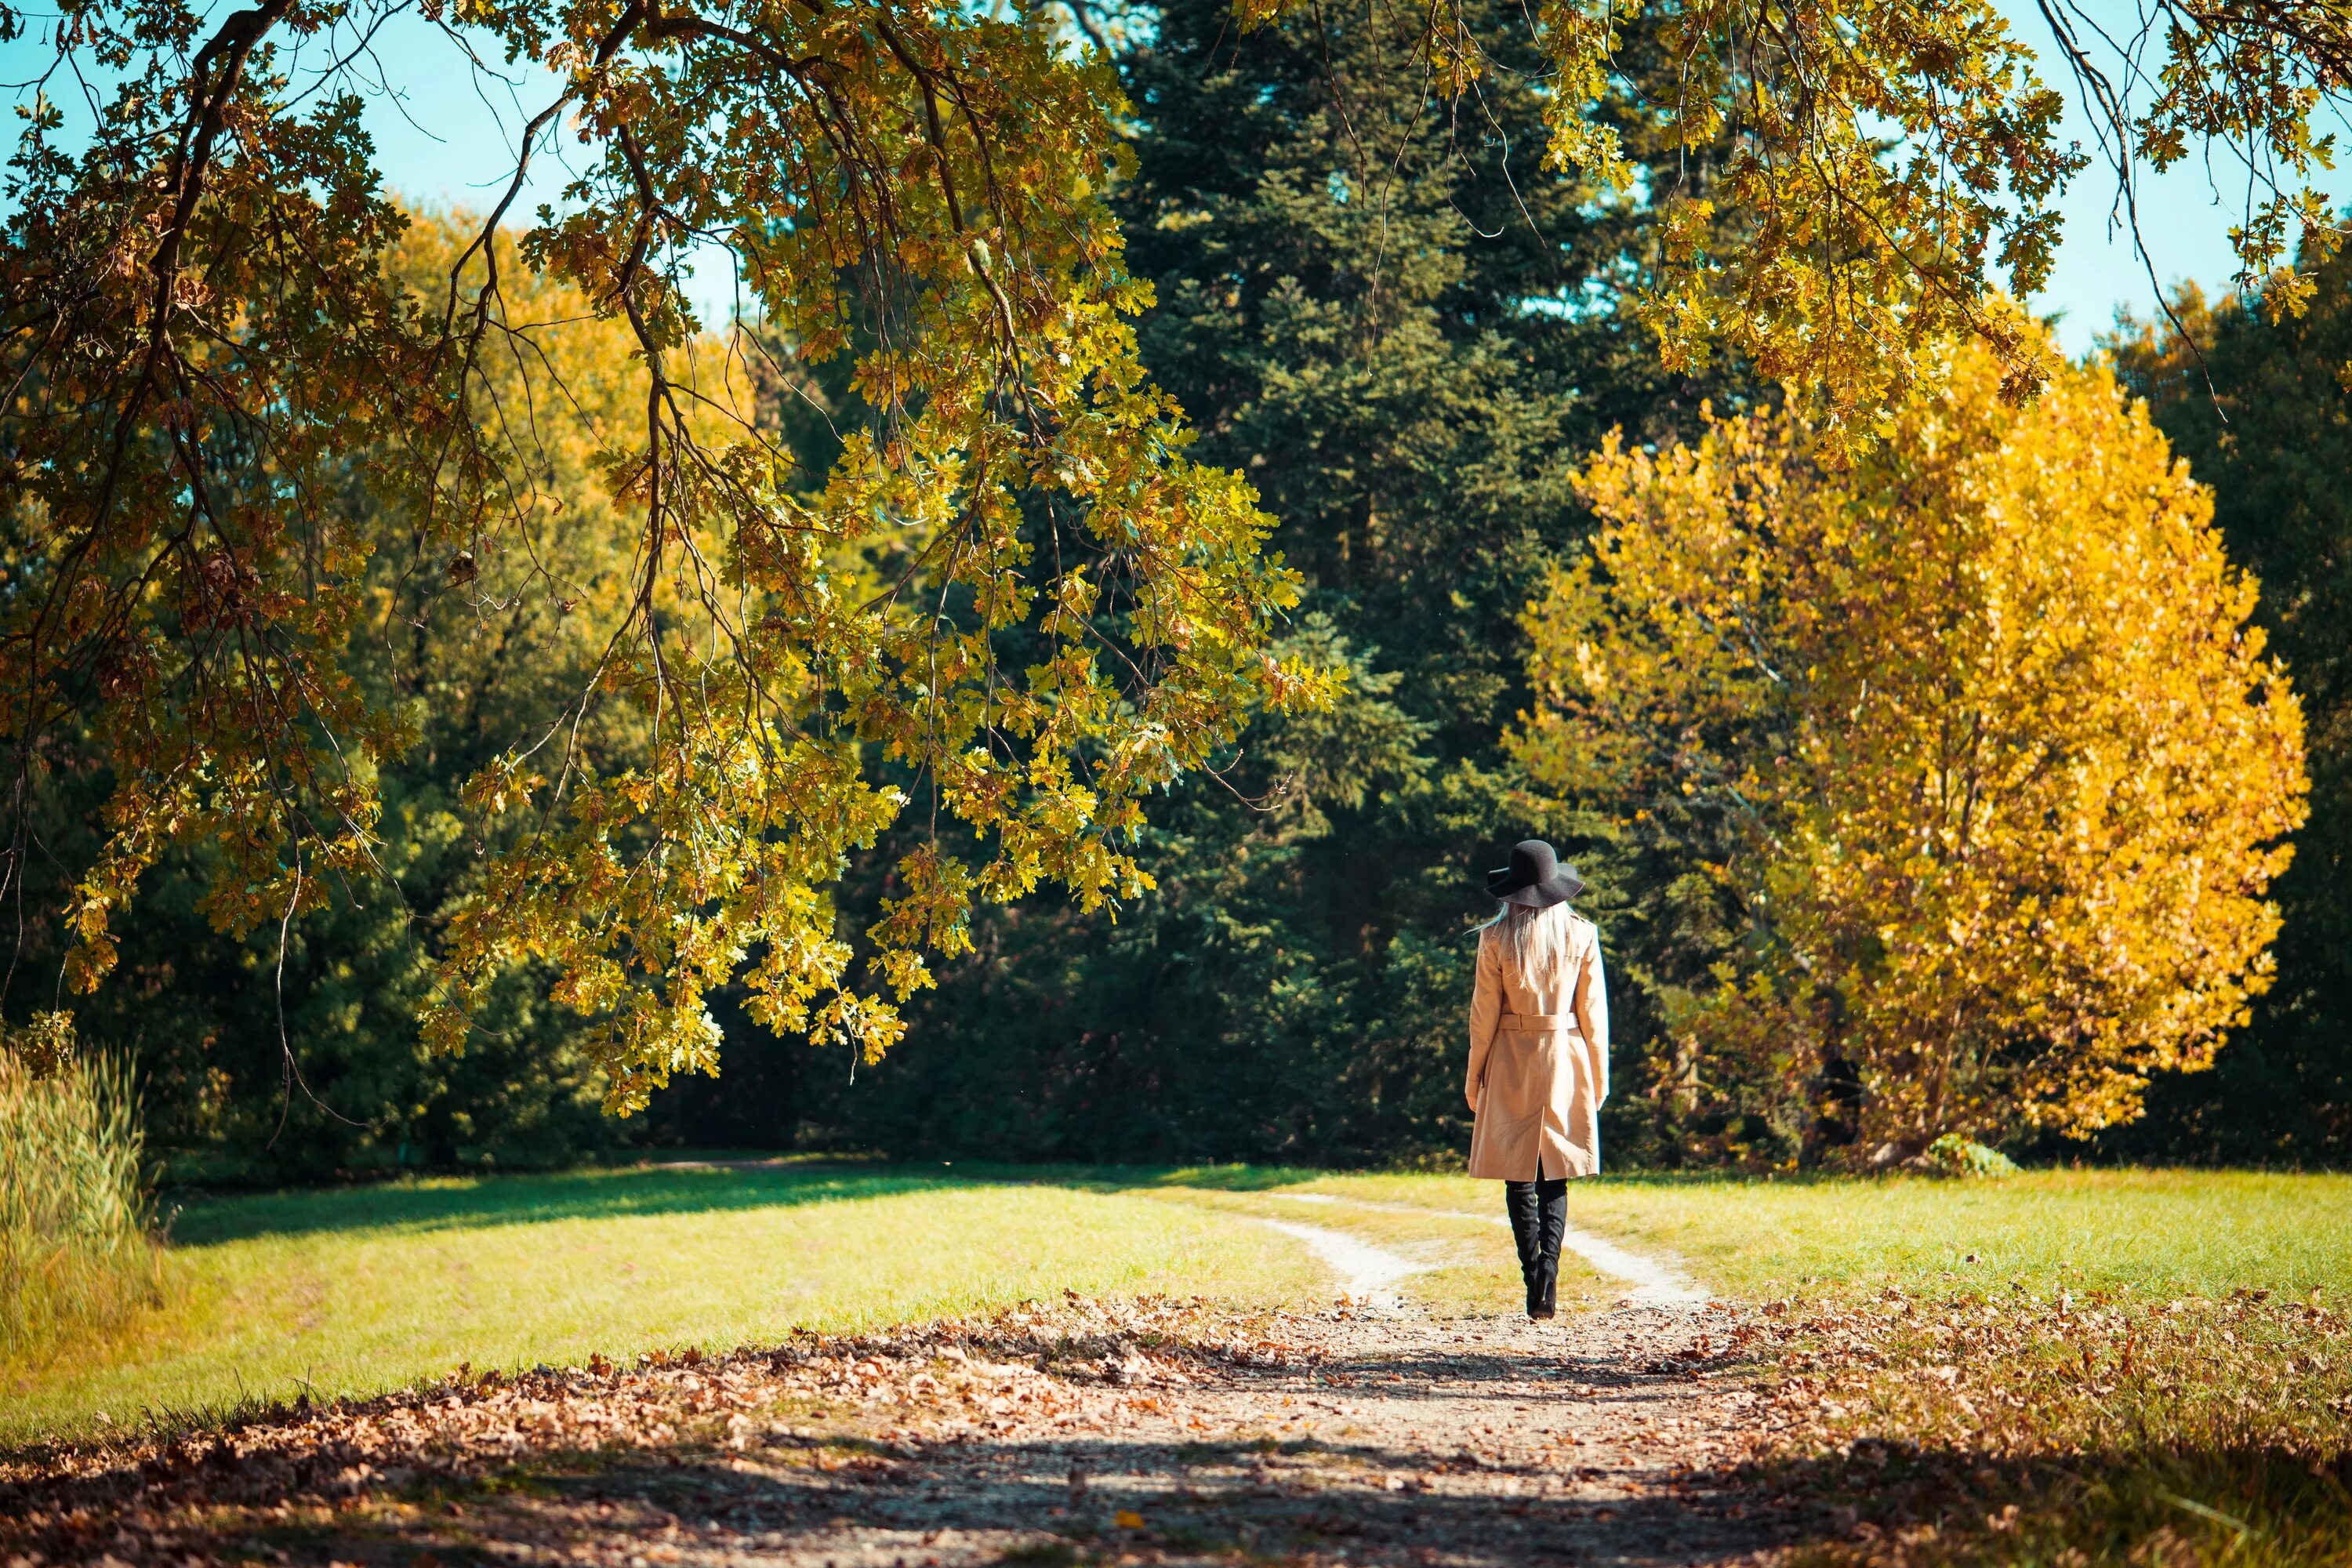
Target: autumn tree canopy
1012	606
1997	771
218	1021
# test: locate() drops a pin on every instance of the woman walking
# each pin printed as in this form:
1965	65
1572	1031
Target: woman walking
1538	1055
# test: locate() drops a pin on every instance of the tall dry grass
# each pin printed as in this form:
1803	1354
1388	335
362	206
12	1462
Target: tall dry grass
77	1249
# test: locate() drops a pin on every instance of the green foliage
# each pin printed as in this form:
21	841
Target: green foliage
603	701
75	1253
1016	591
2260	411
1012	585
1885	160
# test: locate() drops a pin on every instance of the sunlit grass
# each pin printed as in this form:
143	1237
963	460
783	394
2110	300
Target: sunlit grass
2175	1232
1472	1269
351	1291
354	1290
2182	1232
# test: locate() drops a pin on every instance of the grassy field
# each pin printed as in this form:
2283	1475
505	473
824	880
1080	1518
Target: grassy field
1469	1265
356	1290
2204	1233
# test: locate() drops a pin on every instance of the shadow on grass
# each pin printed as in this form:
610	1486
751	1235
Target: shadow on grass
713	1185
477	1203
472	1202
459	1203
2252	1505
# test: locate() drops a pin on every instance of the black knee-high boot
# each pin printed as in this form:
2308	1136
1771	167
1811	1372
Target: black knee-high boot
1538	1210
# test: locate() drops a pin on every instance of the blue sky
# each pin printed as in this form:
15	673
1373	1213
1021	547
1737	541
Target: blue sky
450	131
2185	214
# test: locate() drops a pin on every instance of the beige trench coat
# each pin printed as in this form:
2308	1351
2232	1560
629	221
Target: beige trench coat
1538	1064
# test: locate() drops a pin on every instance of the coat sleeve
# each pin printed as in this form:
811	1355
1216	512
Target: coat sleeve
1486	1009
1593	1012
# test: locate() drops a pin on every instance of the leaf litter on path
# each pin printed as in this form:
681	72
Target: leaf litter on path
1906	1431
1096	1431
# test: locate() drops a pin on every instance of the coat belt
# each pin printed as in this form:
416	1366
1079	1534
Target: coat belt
1539	1022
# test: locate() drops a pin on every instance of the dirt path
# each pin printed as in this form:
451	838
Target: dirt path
1089	1432
1412	1441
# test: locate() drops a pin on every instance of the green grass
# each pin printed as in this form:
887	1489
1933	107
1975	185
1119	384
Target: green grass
1472	1268
354	1290
2158	1232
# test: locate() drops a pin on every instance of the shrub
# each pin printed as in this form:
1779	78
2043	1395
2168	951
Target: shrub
1953	1155
75	1248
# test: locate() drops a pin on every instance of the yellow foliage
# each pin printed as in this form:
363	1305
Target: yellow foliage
2002	771
1013	595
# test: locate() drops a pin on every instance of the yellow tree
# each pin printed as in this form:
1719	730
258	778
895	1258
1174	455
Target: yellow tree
2003	770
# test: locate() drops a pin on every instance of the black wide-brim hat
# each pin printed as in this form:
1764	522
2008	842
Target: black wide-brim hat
1535	877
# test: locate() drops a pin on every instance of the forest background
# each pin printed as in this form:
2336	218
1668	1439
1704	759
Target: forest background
1408	335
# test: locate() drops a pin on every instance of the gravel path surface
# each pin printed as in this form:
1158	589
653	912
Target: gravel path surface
1412	1441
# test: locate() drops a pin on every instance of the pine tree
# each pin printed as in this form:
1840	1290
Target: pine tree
2261	412
1405	330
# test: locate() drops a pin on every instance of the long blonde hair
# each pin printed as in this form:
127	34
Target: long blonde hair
1538	940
